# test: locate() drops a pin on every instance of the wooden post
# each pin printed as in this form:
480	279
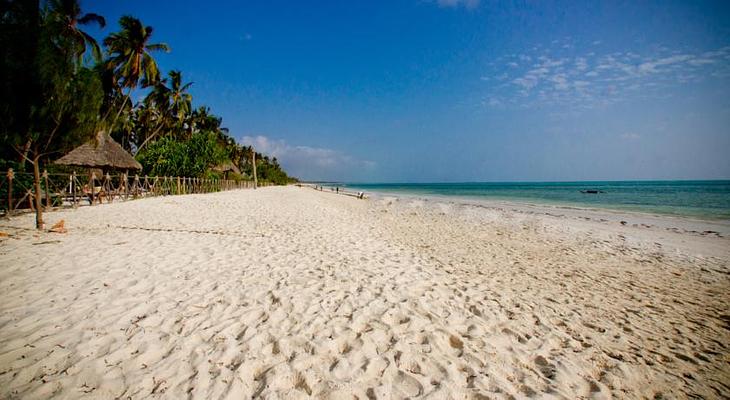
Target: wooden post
11	175
126	186
253	158
92	187
73	188
37	187
107	186
69	188
48	194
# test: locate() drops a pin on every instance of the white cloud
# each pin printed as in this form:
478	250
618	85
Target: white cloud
493	102
468	4
527	82
587	79
560	81
651	66
548	63
701	61
305	162
539	72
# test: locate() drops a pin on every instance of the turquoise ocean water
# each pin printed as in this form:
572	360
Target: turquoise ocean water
698	199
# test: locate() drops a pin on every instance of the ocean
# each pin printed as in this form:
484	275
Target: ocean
696	199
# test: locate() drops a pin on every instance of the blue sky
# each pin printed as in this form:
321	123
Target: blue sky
459	90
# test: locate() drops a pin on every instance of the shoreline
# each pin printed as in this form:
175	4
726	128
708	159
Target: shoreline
550	208
553	203
290	292
646	227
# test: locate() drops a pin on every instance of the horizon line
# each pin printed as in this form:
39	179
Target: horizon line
515	181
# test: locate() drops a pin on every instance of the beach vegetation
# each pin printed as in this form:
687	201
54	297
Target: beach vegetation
61	86
169	156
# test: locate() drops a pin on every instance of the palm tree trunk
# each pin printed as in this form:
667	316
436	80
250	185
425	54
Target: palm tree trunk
37	190
154	134
124	103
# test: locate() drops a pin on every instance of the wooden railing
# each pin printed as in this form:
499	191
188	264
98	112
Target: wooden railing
72	190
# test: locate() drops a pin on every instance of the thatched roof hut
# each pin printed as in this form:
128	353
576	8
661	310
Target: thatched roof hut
100	152
227	167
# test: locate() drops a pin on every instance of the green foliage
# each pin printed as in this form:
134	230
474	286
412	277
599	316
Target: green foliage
192	158
64	17
270	170
52	98
130	53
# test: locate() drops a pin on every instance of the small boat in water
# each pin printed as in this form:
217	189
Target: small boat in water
592	191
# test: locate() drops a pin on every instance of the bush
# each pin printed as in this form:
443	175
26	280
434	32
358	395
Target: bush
189	158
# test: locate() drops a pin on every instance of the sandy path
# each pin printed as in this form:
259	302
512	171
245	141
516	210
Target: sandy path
287	293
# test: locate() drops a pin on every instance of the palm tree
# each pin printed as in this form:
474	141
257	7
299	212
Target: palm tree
129	56
180	99
61	35
170	106
66	17
203	120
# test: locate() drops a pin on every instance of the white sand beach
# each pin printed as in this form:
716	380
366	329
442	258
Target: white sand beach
287	292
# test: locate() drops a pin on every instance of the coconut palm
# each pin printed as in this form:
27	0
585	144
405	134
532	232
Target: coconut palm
180	99
129	56
155	111
66	16
203	120
170	105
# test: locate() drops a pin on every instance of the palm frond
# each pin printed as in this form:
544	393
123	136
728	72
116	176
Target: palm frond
95	49
92	18
158	46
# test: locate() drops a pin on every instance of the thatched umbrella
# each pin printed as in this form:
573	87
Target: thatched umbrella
226	167
101	152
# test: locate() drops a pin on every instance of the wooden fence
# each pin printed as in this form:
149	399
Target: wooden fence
72	190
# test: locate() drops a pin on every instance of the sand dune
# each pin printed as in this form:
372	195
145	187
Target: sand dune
291	293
